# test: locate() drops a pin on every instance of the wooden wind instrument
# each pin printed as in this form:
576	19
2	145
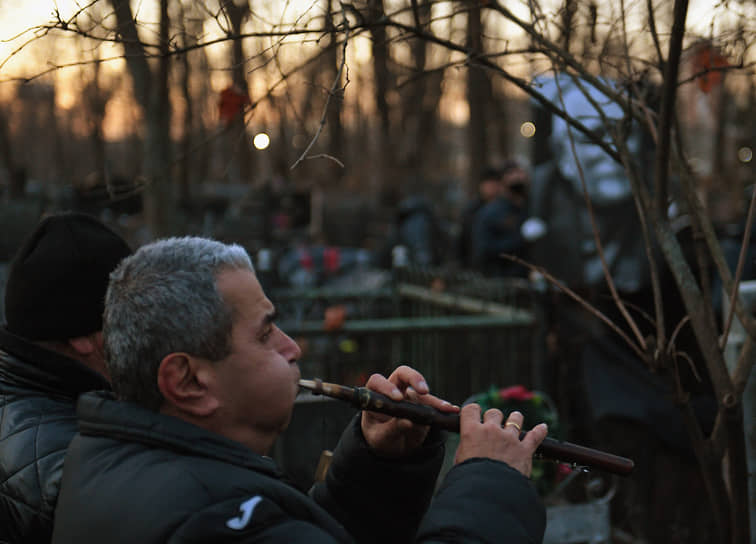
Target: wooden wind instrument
550	448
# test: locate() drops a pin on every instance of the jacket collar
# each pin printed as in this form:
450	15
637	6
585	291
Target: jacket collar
100	414
27	364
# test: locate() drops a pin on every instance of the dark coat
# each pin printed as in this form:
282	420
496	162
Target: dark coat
38	392
496	230
138	476
419	231
465	240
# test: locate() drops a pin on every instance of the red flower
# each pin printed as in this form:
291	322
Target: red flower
563	470
516	392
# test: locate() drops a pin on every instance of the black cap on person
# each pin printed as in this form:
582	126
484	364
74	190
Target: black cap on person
58	278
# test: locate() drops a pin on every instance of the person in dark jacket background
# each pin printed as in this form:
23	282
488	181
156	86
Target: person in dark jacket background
203	384
50	352
418	230
489	189
496	226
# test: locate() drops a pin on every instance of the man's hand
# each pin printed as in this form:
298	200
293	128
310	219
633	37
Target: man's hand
492	440
394	437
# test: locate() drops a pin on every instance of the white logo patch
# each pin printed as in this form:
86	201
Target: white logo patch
247	507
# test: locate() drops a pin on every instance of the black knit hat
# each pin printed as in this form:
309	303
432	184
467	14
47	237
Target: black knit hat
58	278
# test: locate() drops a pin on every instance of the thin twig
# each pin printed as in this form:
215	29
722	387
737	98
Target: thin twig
654	33
648	247
677	330
672	351
691	364
336	84
325	156
597	239
580	300
703	223
738	271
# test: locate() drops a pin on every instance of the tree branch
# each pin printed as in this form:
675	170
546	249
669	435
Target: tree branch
331	93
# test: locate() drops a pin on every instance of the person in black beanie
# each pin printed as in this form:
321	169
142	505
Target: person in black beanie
50	352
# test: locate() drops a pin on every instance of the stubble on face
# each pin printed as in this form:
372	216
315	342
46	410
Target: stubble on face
257	382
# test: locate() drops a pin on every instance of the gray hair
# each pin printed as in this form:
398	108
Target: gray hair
164	299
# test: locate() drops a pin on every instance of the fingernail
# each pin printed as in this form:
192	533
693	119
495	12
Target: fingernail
395	391
423	385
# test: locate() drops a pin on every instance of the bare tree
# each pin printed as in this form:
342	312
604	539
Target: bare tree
478	93
334	81
237	13
421	92
151	92
383	84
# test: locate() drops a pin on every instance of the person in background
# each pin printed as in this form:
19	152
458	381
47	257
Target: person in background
418	230
204	382
489	189
50	352
610	396
496	227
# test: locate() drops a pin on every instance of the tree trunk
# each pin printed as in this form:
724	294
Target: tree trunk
16	184
334	172
422	96
96	102
151	92
478	91
184	164
382	77
568	22
239	139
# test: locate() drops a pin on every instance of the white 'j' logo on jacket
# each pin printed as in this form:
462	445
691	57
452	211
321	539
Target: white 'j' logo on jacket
247	507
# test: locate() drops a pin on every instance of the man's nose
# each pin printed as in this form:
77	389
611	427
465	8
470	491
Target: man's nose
292	351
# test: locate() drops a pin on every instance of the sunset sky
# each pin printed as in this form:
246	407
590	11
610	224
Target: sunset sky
19	17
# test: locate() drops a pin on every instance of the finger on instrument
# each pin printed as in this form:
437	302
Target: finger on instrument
514	421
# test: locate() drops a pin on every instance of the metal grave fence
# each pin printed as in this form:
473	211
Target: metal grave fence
462	331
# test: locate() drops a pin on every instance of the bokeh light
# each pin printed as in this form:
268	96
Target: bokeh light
527	129
261	140
745	154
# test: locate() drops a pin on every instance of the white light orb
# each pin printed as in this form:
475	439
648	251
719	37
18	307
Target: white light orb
261	141
527	129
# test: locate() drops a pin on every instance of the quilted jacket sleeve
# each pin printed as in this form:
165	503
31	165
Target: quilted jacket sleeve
32	449
379	500
500	505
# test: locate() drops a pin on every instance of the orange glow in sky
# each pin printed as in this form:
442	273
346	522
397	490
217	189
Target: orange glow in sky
18	19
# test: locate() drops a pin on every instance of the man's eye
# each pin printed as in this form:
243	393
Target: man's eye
266	334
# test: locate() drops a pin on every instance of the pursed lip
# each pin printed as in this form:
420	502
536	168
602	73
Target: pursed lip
297	376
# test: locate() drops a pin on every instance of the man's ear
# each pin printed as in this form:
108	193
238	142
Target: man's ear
89	351
184	382
83	345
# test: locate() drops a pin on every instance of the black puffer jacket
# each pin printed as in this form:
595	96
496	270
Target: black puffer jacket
38	392
132	475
